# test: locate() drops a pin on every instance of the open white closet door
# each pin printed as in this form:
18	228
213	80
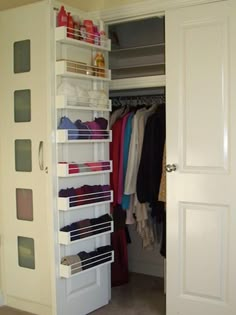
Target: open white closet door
85	285
201	142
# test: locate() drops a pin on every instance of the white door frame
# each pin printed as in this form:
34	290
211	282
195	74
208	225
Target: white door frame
142	9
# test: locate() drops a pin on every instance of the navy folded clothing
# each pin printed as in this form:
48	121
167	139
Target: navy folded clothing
85	259
94	258
103	222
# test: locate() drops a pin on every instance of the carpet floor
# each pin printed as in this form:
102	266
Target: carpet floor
143	295
4	310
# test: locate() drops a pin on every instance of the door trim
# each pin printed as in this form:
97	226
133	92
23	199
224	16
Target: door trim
144	9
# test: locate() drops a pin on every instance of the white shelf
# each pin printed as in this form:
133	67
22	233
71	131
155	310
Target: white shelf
68	136
76	269
136	83
73	69
64	202
121	50
65	237
63	170
61	37
161	64
62	102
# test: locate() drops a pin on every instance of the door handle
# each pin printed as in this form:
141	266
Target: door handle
40	156
171	168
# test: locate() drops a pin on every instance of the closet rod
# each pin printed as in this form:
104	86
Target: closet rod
138	100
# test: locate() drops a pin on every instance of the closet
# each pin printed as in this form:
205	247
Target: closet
55	164
133	60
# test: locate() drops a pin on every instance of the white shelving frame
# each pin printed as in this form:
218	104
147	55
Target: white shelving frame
61	37
64	202
67	271
65	237
63	136
96	77
62	70
62	102
63	170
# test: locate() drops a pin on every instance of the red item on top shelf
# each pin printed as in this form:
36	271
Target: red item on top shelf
70	26
62	17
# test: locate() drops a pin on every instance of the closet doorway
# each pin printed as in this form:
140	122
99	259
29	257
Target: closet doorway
137	62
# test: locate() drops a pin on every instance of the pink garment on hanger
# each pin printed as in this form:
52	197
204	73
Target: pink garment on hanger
115	157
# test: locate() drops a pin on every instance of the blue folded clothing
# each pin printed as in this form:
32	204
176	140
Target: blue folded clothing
66	123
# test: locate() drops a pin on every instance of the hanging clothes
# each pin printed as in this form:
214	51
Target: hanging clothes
162	190
138	138
150	167
127	138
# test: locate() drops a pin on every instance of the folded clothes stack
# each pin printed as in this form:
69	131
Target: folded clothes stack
85	260
86	194
87	167
88	227
95	129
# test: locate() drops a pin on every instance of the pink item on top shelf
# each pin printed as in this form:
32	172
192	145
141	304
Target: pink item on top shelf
89	31
62	17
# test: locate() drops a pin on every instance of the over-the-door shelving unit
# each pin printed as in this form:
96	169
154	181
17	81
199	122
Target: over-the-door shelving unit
82	156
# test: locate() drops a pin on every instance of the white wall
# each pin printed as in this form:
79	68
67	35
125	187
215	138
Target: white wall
144	261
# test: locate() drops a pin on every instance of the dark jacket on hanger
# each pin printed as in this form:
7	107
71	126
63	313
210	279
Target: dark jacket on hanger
150	167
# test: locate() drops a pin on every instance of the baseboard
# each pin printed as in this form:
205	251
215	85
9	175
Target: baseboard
150	269
28	306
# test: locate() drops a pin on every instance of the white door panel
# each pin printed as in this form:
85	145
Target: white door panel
201	221
28	288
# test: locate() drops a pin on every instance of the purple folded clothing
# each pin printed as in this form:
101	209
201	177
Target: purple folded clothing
95	129
106	166
102	122
84	131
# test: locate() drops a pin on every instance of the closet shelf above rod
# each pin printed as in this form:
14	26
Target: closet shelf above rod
138	47
138	83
